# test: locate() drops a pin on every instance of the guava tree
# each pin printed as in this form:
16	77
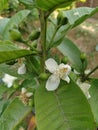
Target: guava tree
54	85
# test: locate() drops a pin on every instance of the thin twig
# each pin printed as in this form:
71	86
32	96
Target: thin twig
91	72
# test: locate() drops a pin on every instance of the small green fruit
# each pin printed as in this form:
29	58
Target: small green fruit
15	35
83	56
43	76
15	86
34	44
30	103
64	60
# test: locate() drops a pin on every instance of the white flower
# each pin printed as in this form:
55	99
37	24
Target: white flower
25	95
84	87
8	80
24	92
58	72
87	71
22	69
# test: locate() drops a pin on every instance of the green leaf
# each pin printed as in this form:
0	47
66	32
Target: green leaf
3	104
7	46
54	36
94	98
64	109
30	84
78	15
8	69
3	89
3	23
75	17
27	3
3	5
11	55
15	20
9	51
69	49
13	115
53	4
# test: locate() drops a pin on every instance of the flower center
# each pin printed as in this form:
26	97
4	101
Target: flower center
60	72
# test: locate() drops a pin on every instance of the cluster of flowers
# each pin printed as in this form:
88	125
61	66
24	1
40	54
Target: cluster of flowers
58	72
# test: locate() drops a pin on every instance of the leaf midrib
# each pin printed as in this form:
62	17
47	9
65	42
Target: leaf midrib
61	110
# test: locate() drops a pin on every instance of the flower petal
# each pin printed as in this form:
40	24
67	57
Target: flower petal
22	69
8	80
29	94
88	95
23	90
76	72
84	87
51	65
67	67
52	83
66	78
87	71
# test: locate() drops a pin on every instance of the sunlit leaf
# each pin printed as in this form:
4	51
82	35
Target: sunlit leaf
74	16
53	4
78	15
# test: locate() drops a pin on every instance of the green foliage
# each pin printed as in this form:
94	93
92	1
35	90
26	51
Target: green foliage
34	35
34	27
14	21
14	113
15	35
3	23
9	51
78	15
74	17
94	98
52	4
65	108
3	5
69	49
28	3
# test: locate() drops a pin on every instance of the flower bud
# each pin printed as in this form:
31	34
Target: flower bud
15	35
64	60
43	76
34	35
15	86
61	20
83	56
